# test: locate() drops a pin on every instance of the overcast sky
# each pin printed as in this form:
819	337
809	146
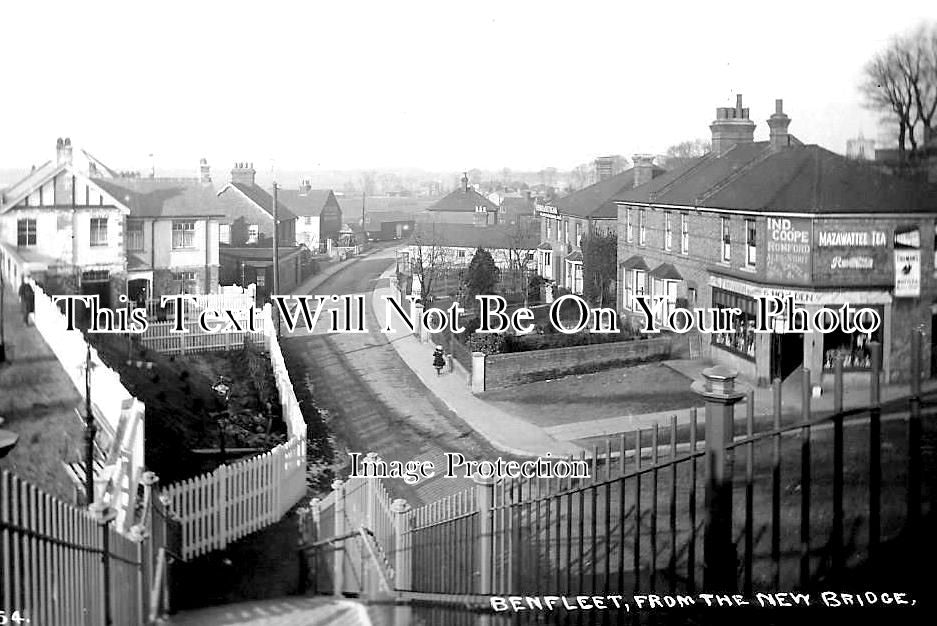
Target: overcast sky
437	85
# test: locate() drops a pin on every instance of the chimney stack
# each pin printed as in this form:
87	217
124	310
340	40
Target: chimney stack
778	123
731	127
63	151
204	172
603	168
305	186
643	168
243	173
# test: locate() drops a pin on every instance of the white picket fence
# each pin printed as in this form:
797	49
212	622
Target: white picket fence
235	500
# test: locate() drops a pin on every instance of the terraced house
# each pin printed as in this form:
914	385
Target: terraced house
84	228
565	221
787	219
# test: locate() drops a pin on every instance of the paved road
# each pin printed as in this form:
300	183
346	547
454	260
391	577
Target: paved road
374	401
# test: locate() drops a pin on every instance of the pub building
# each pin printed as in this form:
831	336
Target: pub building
786	219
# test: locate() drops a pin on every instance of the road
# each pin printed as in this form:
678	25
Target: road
374	401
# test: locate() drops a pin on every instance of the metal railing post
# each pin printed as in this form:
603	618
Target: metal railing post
103	514
338	551
875	449
914	437
719	553
484	496
402	554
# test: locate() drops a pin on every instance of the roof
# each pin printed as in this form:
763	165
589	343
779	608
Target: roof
308	204
20	189
463	201
634	263
796	179
257	253
470	236
163	197
666	271
597	200
512	204
262	198
575	255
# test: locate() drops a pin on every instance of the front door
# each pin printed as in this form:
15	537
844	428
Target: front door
787	354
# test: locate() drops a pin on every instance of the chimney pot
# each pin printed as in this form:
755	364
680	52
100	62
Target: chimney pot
731	127
778	123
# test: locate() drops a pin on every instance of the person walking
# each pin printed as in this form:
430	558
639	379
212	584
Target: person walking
439	361
27	301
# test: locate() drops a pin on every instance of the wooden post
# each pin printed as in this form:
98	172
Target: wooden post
478	372
402	556
338	551
484	496
719	554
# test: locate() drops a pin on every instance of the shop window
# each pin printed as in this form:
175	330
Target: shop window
742	341
853	347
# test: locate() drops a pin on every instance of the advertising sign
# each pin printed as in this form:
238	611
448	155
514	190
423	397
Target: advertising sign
788	250
851	252
907	274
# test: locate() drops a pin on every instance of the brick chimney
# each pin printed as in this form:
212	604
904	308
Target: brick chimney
603	168
204	172
305	186
731	126
643	168
778	123
465	185
63	151
243	173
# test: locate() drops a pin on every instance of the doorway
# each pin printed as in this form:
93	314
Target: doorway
787	354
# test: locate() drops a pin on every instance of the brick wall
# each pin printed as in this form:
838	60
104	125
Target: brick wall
507	370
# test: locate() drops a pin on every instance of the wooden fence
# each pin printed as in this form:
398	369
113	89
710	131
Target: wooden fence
735	504
62	565
235	500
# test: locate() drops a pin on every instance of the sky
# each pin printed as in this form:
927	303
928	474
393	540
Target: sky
435	85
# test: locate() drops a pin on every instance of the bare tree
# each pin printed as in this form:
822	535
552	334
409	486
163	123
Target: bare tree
901	83
429	257
520	236
682	153
367	182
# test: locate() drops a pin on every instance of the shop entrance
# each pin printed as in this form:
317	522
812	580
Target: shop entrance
787	354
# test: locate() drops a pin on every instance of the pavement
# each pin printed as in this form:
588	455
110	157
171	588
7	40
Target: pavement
278	612
504	431
37	402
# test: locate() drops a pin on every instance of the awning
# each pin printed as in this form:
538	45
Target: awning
574	256
666	271
635	263
545	246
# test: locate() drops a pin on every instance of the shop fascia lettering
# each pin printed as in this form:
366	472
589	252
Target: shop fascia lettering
852	239
547	209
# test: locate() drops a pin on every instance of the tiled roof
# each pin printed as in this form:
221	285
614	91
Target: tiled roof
797	179
23	187
262	198
520	206
463	201
163	197
471	236
306	204
596	200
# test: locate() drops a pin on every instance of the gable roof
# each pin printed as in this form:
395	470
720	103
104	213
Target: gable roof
163	197
463	201
310	203
260	197
500	236
796	179
13	194
596	200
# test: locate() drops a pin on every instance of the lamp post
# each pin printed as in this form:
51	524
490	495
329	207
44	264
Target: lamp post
91	430
276	256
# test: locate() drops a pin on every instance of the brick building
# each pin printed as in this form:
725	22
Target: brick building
782	218
463	206
566	220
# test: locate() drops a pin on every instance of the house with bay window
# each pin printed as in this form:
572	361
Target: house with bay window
565	221
786	219
76	226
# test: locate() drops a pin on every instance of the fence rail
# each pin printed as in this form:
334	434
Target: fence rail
727	503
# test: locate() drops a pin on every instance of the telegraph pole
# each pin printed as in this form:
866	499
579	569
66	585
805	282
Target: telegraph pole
364	229
90	431
276	254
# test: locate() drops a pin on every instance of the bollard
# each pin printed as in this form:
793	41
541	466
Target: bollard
719	554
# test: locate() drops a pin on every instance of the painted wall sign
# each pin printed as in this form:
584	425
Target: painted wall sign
852	238
788	249
546	209
849	252
907	273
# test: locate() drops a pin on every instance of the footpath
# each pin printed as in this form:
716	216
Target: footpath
505	432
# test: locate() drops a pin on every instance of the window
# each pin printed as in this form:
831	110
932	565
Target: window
852	347
224	233
742	341
684	234
579	233
134	235
751	253
549	226
98	231
642	227
183	234
546	264
668	232
726	242
26	232
308	220
253	233
460	254
566	231
187	281
666	291
629	228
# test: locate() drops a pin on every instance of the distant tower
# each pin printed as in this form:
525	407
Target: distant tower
860	148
